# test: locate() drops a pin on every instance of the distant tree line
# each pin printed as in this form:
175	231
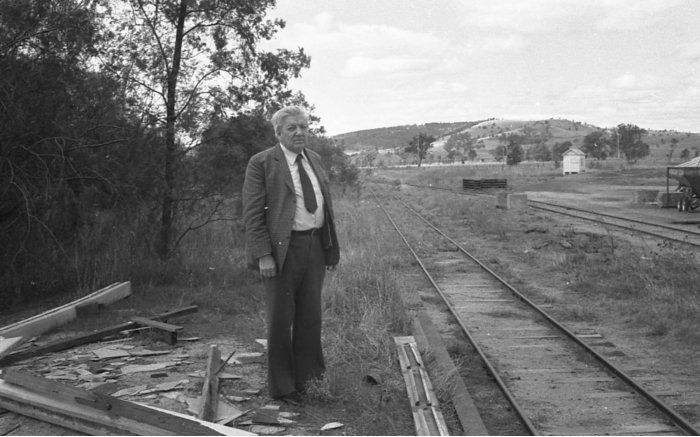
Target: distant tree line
129	120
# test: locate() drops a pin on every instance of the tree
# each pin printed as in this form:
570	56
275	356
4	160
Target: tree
419	145
631	144
180	60
499	153
595	145
68	152
674	143
558	150
472	154
540	152
340	171
685	153
515	154
459	144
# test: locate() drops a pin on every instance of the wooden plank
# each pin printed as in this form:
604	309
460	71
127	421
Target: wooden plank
89	338
427	418
7	344
217	428
430	394
54	390
48	320
107	410
157	324
210	389
168	329
462	401
418	419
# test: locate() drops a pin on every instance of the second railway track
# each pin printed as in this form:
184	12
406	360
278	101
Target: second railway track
669	232
554	378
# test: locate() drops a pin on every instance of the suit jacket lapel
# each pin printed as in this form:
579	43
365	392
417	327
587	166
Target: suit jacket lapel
315	165
283	167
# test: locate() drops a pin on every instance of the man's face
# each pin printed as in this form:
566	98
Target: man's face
293	133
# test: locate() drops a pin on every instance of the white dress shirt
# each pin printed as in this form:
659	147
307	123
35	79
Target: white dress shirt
303	219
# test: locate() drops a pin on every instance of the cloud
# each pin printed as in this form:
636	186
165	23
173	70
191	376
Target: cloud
690	51
516	15
363	65
551	15
618	15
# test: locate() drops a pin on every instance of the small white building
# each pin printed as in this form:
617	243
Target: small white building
573	161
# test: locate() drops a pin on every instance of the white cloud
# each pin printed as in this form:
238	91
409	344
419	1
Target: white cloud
626	15
690	51
553	15
363	65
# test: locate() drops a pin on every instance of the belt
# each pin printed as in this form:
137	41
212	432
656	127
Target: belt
312	231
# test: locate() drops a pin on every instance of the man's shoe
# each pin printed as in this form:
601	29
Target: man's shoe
293	398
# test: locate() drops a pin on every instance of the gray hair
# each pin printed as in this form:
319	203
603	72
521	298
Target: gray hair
279	116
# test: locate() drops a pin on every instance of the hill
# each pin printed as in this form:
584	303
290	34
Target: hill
396	136
665	145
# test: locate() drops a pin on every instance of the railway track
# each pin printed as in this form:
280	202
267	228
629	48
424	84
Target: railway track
554	376
676	234
658	230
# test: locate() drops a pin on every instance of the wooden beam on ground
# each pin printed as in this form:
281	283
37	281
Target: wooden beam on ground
424	404
7	344
37	397
48	320
169	330
428	338
210	390
89	338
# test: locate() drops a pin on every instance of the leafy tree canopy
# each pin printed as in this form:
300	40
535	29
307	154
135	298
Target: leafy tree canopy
596	145
419	145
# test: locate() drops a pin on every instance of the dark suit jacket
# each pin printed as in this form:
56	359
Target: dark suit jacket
269	206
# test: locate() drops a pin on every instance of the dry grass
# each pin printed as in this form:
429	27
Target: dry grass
654	287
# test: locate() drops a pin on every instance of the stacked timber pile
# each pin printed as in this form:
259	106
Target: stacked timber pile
484	184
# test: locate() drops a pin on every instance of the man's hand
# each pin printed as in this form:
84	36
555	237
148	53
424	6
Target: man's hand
268	266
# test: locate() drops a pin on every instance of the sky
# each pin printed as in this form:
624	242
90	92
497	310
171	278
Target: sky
394	62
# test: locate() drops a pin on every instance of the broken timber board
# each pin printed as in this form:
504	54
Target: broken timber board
210	389
111	412
156	324
427	417
170	330
428	338
218	428
89	338
7	344
48	320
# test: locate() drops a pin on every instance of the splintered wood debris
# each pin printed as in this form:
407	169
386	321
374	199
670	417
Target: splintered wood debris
126	370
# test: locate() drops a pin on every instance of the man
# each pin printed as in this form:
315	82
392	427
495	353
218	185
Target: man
291	240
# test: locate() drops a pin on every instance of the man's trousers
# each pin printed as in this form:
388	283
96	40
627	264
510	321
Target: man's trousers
293	300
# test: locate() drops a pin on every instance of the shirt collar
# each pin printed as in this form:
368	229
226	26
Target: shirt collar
291	156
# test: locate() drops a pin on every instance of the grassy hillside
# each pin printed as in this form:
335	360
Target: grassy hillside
397	136
665	146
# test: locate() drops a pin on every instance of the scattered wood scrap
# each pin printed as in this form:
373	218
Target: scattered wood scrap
89	338
210	389
7	344
48	320
94	413
424	404
167	328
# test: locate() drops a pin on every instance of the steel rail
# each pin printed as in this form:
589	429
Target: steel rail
668	411
641	222
627	228
499	381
